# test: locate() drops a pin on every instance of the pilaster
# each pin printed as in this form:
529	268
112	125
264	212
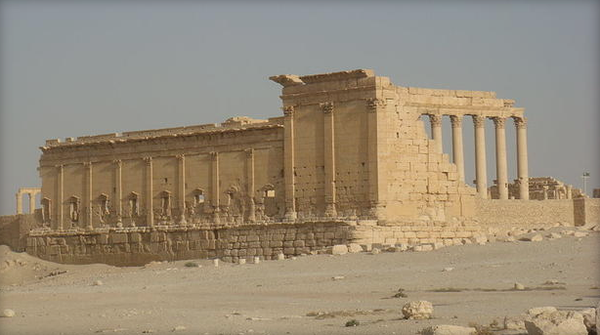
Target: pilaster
289	163
329	158
150	192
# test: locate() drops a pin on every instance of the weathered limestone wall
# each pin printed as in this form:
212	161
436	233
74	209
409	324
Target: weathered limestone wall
418	180
587	211
15	228
415	234
140	247
526	212
192	175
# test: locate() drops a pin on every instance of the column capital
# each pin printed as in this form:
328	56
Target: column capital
456	121
249	152
288	110
436	120
87	164
520	122
499	122
374	103
148	160
214	155
327	107
118	162
180	157
479	121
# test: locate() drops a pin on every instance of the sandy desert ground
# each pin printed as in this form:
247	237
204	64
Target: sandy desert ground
314	294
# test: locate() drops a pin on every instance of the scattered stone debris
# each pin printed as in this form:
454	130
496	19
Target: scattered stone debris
519	287
338	277
556	322
339	249
98	283
448	269
346	313
532	238
354	248
417	310
448	330
549	320
375	251
423	247
178	328
479	239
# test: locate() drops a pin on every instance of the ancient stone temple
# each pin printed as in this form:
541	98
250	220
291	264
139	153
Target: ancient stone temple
348	160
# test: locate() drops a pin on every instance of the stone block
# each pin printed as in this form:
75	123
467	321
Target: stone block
135	237
339	249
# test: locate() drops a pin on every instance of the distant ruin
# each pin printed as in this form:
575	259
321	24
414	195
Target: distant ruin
349	160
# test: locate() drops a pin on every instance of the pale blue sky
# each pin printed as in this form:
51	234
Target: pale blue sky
71	68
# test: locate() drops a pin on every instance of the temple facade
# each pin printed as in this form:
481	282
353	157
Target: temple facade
348	159
349	145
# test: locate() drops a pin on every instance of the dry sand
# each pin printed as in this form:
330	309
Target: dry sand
282	297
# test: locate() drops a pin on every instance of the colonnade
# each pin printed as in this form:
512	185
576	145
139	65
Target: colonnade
31	192
480	158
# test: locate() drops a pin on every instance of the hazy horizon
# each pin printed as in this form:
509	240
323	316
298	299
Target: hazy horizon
71	68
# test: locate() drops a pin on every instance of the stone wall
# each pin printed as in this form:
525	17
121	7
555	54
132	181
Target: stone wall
14	229
525	212
415	234
587	211
129	247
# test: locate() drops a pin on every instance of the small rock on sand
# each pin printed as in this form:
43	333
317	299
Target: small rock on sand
8	313
339	249
98	283
519	287
448	330
418	310
178	328
532	238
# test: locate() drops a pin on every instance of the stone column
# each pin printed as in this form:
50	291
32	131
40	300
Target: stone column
19	197
89	196
181	166
60	198
118	191
250	186
329	158
457	145
545	188
436	131
480	164
522	159
568	192
150	193
32	202
501	165
289	163
215	201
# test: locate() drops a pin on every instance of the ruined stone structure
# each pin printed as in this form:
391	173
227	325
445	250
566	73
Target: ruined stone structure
349	160
31	193
541	188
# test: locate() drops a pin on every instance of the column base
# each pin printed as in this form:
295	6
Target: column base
290	215
330	211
